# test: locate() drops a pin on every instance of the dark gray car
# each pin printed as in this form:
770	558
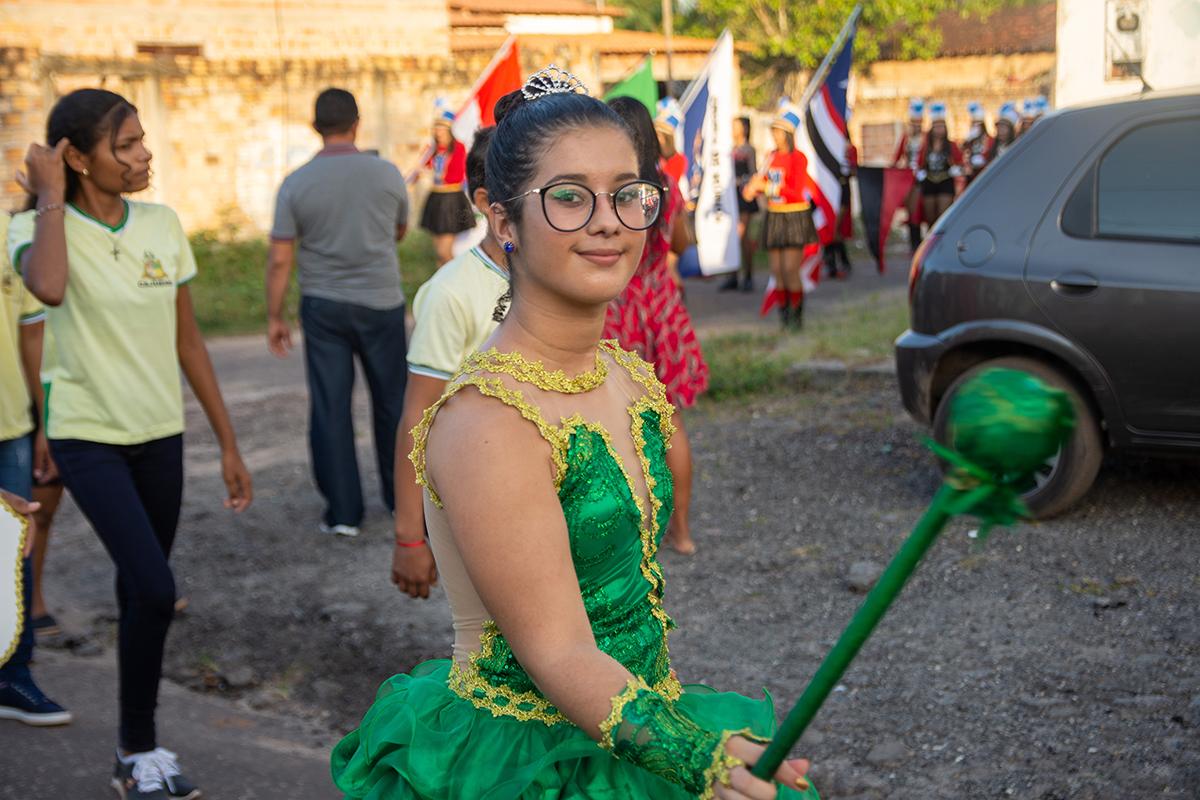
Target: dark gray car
1075	256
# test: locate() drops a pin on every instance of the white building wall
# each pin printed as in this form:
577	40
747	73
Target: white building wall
1170	40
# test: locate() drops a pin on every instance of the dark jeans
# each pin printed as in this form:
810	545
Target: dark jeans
131	495
334	333
16	476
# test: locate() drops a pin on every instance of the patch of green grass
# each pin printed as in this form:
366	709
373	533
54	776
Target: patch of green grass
857	332
229	292
743	364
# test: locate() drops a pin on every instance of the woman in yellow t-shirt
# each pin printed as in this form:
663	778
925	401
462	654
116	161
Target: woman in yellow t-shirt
114	275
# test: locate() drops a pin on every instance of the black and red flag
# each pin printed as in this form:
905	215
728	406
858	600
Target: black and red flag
881	191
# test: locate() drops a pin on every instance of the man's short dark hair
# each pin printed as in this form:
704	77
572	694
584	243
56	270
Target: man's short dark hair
336	112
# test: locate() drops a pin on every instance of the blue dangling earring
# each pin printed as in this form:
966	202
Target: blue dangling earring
509	247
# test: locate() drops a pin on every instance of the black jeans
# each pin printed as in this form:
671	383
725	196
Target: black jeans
334	333
131	495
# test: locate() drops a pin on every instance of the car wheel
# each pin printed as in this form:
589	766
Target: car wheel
1072	471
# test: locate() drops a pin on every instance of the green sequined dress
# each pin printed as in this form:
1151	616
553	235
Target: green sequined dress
484	731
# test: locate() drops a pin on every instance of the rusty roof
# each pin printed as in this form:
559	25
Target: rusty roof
619	42
1030	29
556	7
1026	29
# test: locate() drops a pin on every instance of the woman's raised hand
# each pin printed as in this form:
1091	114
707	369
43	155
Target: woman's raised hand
45	173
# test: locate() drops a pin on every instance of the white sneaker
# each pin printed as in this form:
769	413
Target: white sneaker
340	530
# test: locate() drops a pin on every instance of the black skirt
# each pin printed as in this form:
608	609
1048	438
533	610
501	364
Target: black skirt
447	212
931	188
788	229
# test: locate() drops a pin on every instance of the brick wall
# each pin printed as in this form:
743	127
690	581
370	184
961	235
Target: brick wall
224	133
226	29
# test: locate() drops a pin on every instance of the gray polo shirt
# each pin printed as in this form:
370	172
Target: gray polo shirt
343	208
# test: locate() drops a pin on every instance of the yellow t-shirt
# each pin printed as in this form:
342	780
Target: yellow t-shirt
115	376
453	313
18	307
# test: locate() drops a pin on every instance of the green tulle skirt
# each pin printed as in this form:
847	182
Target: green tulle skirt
420	740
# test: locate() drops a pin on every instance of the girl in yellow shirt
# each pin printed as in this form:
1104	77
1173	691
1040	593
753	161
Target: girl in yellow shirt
114	275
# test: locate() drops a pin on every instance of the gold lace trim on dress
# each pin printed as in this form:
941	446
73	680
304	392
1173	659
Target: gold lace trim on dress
534	372
502	701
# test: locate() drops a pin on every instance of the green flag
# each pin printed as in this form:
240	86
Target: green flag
640	86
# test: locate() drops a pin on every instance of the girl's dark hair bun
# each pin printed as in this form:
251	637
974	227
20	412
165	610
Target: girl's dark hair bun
506	104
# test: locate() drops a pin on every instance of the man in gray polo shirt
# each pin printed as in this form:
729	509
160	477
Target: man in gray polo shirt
339	217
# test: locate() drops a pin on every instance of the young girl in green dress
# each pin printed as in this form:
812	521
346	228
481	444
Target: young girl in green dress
547	492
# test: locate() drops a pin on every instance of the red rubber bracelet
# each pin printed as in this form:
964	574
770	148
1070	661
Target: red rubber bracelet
411	544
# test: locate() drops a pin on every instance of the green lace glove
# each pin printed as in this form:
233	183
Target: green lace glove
646	729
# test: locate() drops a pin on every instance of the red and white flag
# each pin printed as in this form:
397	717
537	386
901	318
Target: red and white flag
502	75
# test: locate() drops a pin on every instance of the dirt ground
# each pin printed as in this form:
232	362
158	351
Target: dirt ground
1059	661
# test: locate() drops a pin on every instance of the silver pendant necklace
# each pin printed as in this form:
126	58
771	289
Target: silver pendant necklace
116	238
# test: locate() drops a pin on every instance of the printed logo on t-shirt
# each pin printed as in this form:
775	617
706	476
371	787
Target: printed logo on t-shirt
774	183
153	274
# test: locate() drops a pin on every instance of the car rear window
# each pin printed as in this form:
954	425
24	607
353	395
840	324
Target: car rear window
1149	183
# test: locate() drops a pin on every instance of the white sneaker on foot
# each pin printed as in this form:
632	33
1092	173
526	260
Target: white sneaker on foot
340	530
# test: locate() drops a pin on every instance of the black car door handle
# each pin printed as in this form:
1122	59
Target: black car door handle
1074	283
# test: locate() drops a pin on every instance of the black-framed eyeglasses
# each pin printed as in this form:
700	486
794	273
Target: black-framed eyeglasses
569	206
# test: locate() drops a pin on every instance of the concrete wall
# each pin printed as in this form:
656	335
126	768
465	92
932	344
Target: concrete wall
1171	40
225	91
225	132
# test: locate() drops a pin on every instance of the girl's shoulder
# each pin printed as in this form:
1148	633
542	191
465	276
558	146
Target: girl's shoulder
153	214
479	406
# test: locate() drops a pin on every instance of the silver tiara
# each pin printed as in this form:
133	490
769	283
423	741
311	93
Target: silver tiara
552	80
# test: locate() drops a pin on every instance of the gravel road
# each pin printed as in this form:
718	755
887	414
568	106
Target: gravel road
1058	661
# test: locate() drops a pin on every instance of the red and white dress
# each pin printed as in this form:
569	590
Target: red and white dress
649	317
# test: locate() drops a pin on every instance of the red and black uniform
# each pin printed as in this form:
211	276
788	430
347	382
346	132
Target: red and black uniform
976	152
447	209
907	151
996	148
937	169
789	220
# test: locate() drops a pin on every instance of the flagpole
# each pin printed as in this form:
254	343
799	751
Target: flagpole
818	77
629	73
487	71
693	87
427	150
668	15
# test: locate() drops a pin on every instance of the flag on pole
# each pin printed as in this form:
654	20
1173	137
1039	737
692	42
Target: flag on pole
639	85
501	76
825	140
882	191
708	108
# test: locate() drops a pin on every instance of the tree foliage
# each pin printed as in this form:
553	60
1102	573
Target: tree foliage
783	37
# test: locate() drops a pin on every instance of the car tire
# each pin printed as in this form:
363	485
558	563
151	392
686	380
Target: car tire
1078	462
